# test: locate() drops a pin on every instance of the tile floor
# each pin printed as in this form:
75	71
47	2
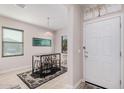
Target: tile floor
60	82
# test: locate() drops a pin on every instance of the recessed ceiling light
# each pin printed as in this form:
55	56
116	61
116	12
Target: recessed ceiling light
21	5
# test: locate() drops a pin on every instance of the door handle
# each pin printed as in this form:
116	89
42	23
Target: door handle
86	52
86	55
84	47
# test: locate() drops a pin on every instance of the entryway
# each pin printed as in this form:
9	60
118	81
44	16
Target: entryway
102	52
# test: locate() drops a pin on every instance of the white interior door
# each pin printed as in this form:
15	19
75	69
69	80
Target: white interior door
102	53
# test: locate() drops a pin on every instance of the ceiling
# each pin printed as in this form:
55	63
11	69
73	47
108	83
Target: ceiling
37	14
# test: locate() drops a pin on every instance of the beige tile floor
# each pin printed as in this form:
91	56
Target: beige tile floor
11	78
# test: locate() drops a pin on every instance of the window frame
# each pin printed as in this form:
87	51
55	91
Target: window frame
4	27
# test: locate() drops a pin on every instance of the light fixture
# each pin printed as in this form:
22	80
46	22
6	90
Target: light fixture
21	5
48	21
48	34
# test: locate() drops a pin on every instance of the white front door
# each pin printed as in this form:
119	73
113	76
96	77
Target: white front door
102	53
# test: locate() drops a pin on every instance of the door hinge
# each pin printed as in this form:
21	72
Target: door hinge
120	54
120	82
120	25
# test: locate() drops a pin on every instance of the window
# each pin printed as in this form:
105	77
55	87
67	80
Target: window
41	42
12	42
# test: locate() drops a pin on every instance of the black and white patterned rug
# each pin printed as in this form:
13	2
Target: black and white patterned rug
84	85
33	82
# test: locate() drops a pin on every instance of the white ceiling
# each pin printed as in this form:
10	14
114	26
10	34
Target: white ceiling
37	14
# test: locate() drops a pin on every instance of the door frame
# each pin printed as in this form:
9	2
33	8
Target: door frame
121	42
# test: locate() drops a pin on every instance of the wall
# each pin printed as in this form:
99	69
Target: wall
30	31
77	74
75	63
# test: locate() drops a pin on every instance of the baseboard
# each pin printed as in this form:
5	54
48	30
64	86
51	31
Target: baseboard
83	80
78	83
14	69
69	87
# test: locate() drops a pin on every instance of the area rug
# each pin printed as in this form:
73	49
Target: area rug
85	85
33	82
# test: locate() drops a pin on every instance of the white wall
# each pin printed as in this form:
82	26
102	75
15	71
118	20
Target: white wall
77	74
57	39
30	31
75	63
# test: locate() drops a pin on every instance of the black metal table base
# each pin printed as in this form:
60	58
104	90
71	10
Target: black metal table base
44	65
